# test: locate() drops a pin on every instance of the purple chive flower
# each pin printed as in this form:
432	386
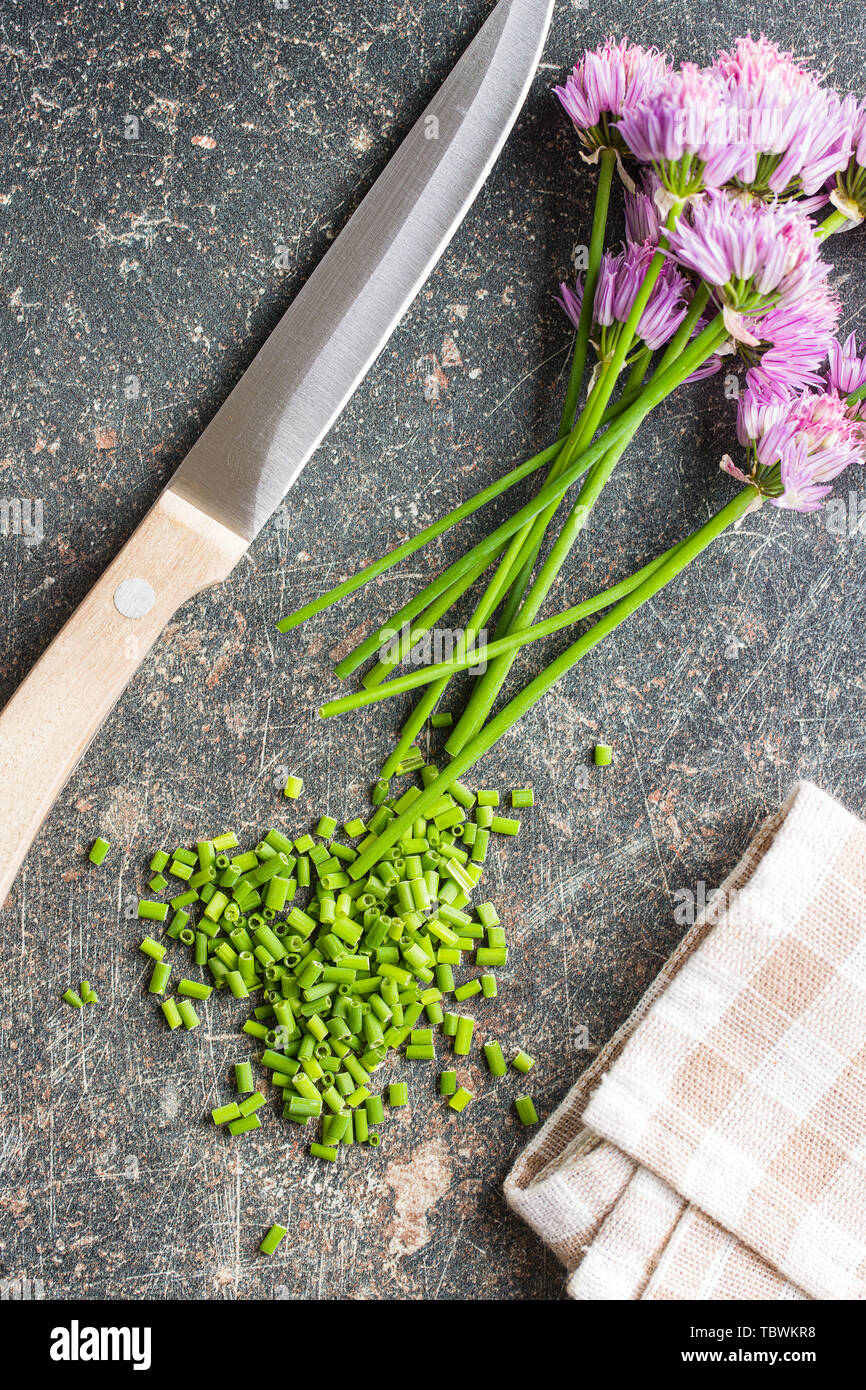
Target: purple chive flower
847	369
794	342
666	308
849	194
619	281
755	64
686	131
796	130
756	256
643	218
798	445
606	83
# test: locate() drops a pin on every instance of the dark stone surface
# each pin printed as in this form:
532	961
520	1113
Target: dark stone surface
153	258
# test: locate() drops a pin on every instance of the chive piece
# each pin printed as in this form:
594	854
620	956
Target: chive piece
224	1113
522	1062
488	798
272	1239
152	948
157	883
463	1036
375	1109
252	1103
158	862
194	989
152	912
228	840
293	788
460	1099
74	999
495	1059
526	1110
466	991
447	1083
189	1017
243	1077
398	1093
505	825
245	1123
443	720
172	1016
99	850
488	986
523	796
159	978
602	755
326	827
325	1151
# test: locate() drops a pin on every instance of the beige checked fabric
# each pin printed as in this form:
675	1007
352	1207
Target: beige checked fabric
716	1148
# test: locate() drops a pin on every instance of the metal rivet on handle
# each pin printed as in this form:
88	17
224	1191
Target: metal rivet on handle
134	597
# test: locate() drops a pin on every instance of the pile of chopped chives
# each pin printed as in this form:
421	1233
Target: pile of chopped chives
363	969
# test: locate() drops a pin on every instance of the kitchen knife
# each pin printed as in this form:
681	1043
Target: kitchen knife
249	456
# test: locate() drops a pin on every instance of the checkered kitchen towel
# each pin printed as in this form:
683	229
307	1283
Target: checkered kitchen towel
716	1148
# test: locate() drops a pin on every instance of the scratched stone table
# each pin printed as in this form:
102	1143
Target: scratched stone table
170	175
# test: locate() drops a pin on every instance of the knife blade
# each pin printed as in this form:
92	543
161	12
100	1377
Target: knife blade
253	450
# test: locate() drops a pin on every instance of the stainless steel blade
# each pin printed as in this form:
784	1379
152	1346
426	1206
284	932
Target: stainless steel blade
246	460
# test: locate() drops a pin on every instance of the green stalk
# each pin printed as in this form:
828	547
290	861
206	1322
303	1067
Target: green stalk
430	699
607	164
488	686
653	393
835	222
485	692
430	533
430	674
419	629
538	688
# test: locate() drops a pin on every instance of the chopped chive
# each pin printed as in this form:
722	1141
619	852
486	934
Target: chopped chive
522	1062
244	1124
194	990
293	788
398	1093
272	1239
460	1099
495	1059
99	850
463	1036
602	755
159	977
325	1151
526	1110
74	999
523	796
158	862
152	912
189	1017
152	948
171	1012
505	825
447	1083
466	991
442	720
224	1113
243	1077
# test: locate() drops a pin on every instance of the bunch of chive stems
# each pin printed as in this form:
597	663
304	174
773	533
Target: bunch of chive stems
363	971
580	452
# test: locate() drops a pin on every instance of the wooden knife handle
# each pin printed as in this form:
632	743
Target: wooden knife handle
49	721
